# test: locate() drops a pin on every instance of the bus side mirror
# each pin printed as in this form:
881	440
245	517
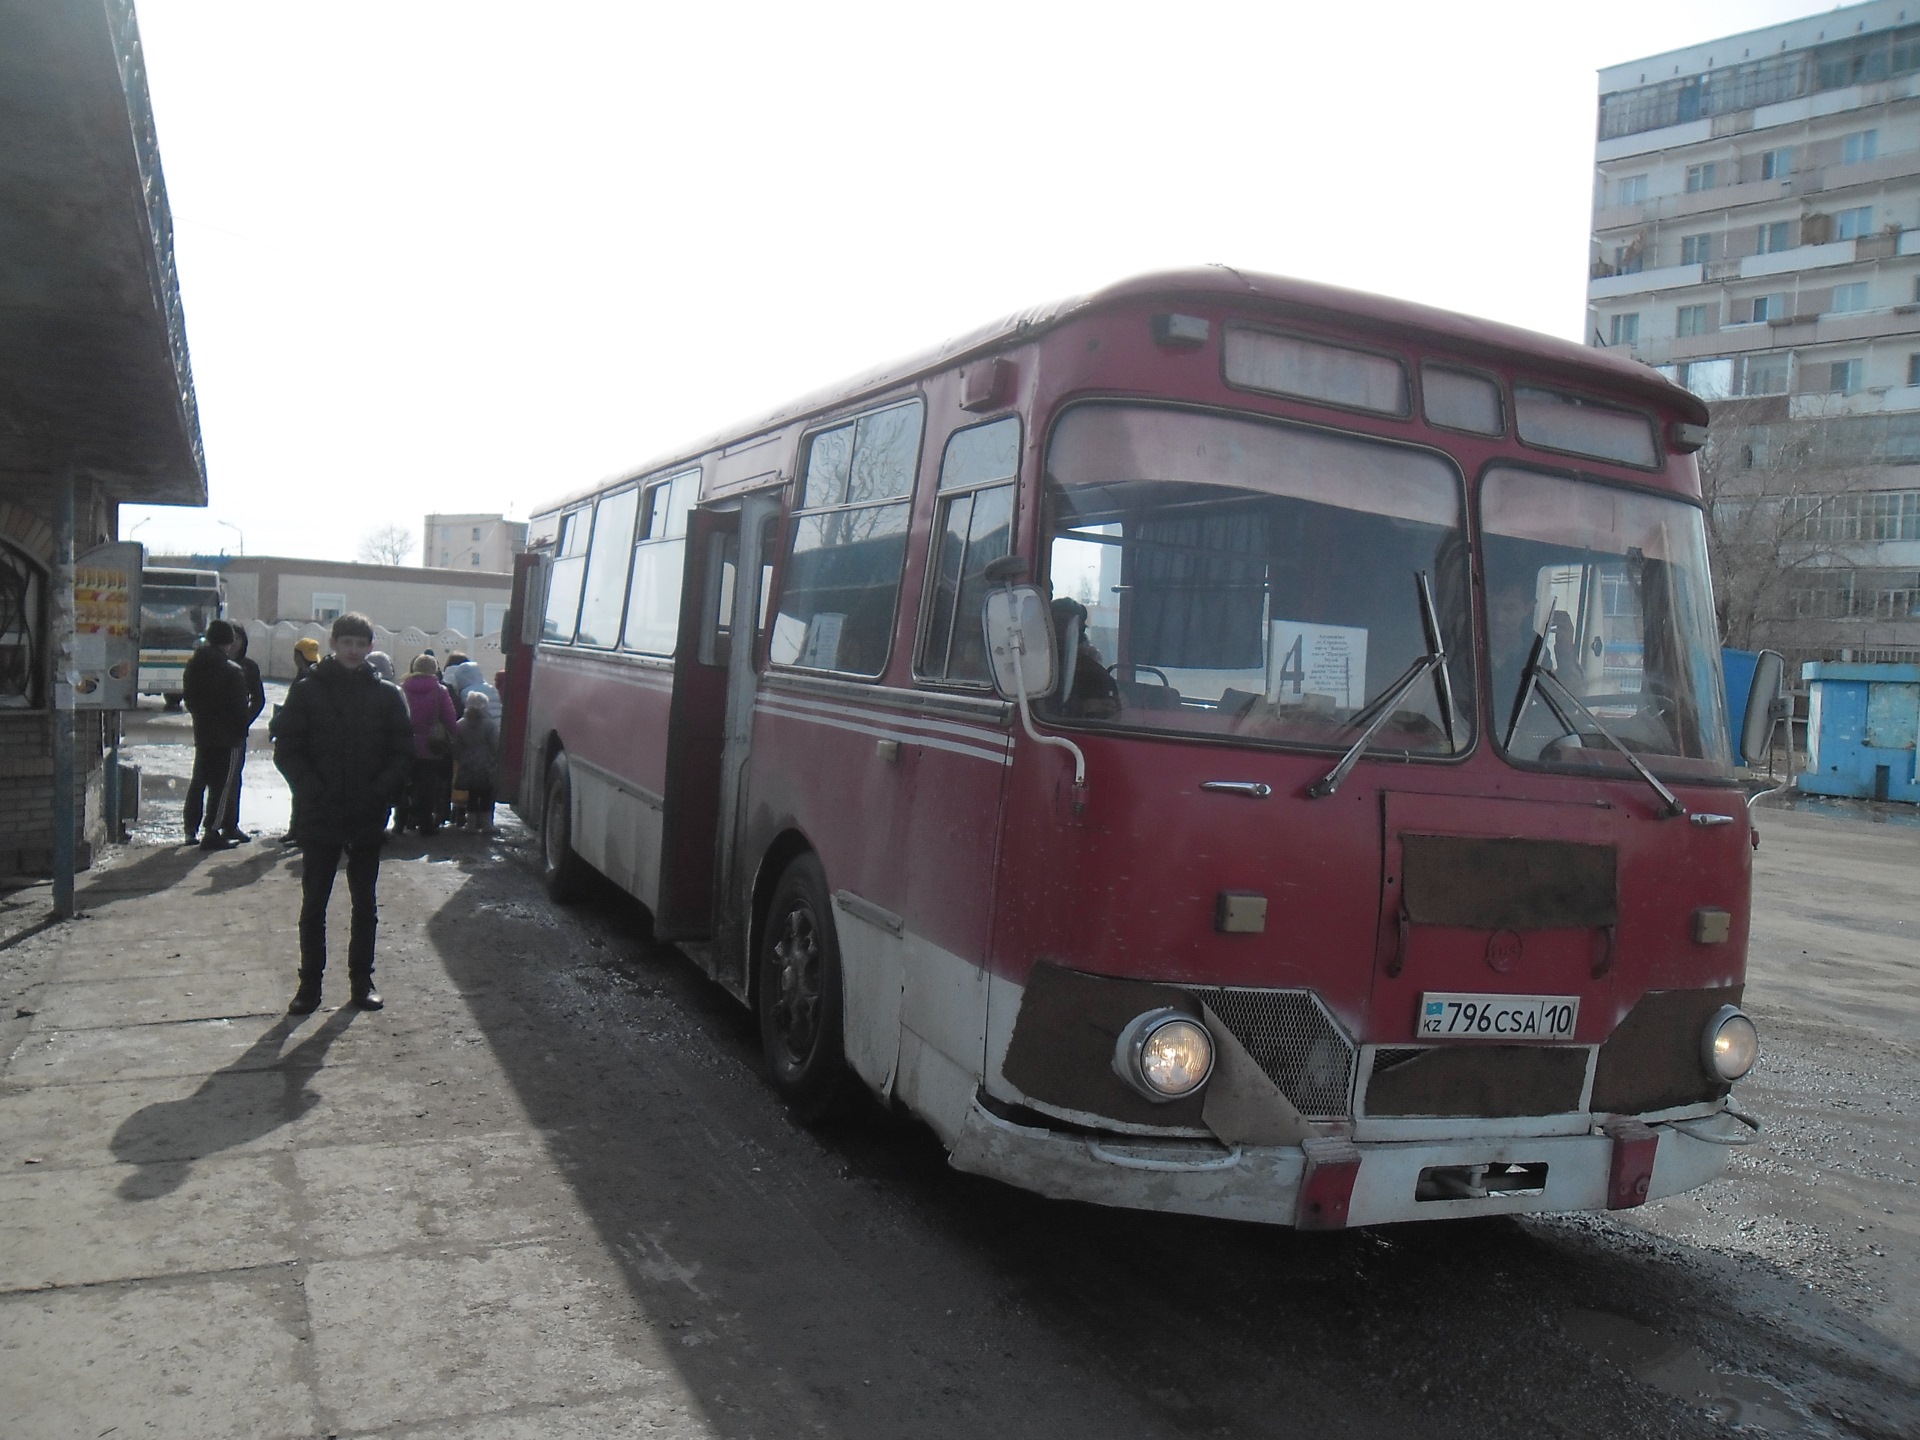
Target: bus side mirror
1019	626
1766	707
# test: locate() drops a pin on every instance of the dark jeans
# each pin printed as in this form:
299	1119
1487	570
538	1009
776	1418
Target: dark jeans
322	861
427	793
230	821
214	785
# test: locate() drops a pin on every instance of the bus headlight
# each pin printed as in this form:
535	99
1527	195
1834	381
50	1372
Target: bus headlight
1164	1054
1730	1045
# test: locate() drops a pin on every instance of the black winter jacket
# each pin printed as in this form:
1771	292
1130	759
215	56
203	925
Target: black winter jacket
215	689
344	741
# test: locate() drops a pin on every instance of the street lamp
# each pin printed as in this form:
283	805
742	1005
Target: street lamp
237	531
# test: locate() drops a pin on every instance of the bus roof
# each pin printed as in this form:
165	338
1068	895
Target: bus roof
1464	335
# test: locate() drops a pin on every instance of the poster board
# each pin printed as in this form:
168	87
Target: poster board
1306	661
106	627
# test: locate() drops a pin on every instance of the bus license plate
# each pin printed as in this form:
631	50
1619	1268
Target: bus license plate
1449	1016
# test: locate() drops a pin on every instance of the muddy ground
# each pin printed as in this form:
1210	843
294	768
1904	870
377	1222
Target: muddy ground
853	1271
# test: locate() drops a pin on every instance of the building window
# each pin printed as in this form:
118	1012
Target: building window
1626	329
493	615
1859	146
1913	370
1632	190
1844	378
460	617
328	607
1852	224
1849	297
1702	177
1690	320
1769	307
1774	237
475	558
476	532
1696	249
23	631
1776	164
1766	375
444	560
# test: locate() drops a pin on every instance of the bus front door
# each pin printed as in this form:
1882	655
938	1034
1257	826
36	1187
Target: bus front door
517	640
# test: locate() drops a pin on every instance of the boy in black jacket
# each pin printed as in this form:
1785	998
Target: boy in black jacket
345	744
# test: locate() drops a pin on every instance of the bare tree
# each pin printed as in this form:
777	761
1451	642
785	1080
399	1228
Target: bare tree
388	545
1777	489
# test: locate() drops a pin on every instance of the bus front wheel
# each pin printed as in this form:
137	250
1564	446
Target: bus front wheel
564	872
801	1016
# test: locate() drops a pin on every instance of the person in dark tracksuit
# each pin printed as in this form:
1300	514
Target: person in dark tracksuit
215	688
256	702
345	744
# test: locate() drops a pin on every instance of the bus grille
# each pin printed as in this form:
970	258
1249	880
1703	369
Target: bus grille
1294	1040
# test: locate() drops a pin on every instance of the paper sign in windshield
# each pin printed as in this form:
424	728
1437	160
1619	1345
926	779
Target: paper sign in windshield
1317	664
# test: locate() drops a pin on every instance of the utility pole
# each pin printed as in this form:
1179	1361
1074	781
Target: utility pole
64	836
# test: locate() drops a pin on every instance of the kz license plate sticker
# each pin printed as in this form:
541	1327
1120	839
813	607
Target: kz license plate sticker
1449	1016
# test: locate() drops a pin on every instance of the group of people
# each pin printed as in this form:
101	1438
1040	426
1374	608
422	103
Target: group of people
355	748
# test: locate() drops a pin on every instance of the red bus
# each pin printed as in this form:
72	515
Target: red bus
1222	744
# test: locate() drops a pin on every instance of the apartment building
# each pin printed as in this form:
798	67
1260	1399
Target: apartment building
1756	236
471	542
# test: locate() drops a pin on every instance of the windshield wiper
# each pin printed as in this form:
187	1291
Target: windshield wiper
1531	681
1434	663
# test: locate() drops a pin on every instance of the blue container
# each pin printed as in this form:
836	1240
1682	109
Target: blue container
1862	725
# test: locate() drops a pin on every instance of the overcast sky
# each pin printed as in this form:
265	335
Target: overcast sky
465	257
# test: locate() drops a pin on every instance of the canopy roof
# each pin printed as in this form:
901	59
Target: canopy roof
93	343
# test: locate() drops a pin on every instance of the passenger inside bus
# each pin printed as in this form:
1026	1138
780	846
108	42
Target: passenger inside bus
1085	688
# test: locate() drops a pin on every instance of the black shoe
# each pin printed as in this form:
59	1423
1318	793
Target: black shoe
306	999
289	840
365	997
217	842
238	837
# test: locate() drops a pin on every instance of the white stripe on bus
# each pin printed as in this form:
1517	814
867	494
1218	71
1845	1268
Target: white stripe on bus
978	734
768	706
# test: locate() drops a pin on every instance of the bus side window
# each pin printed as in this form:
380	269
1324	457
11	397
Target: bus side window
659	558
973	525
716	630
848	545
565	578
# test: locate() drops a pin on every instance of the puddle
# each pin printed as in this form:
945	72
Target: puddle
265	802
1679	1370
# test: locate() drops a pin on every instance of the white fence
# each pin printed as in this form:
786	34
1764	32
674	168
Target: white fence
271	646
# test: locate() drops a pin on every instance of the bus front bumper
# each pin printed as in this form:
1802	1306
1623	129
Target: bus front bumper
1338	1183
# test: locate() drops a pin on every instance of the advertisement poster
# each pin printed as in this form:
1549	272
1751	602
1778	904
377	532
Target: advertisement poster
106	627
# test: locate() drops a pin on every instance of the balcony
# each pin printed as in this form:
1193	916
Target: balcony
1667	277
1800	257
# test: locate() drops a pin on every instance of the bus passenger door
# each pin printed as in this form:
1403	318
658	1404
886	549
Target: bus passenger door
709	731
518	636
696	729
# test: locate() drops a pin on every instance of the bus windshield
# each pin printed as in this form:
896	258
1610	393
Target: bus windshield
1251	579
1605	592
173	617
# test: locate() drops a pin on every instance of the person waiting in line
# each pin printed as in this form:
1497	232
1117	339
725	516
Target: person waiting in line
215	689
431	710
306	655
256	702
345	744
381	664
476	751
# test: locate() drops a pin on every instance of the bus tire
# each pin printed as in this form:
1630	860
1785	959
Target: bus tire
564	872
802	1018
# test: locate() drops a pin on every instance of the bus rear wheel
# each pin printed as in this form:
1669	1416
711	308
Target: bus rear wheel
564	872
801	1014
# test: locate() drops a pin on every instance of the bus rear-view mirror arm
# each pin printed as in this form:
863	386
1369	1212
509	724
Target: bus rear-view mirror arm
1019	634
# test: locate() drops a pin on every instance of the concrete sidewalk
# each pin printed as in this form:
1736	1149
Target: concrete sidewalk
218	1221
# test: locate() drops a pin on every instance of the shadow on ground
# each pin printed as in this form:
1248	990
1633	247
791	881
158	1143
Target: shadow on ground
164	1139
851	1279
